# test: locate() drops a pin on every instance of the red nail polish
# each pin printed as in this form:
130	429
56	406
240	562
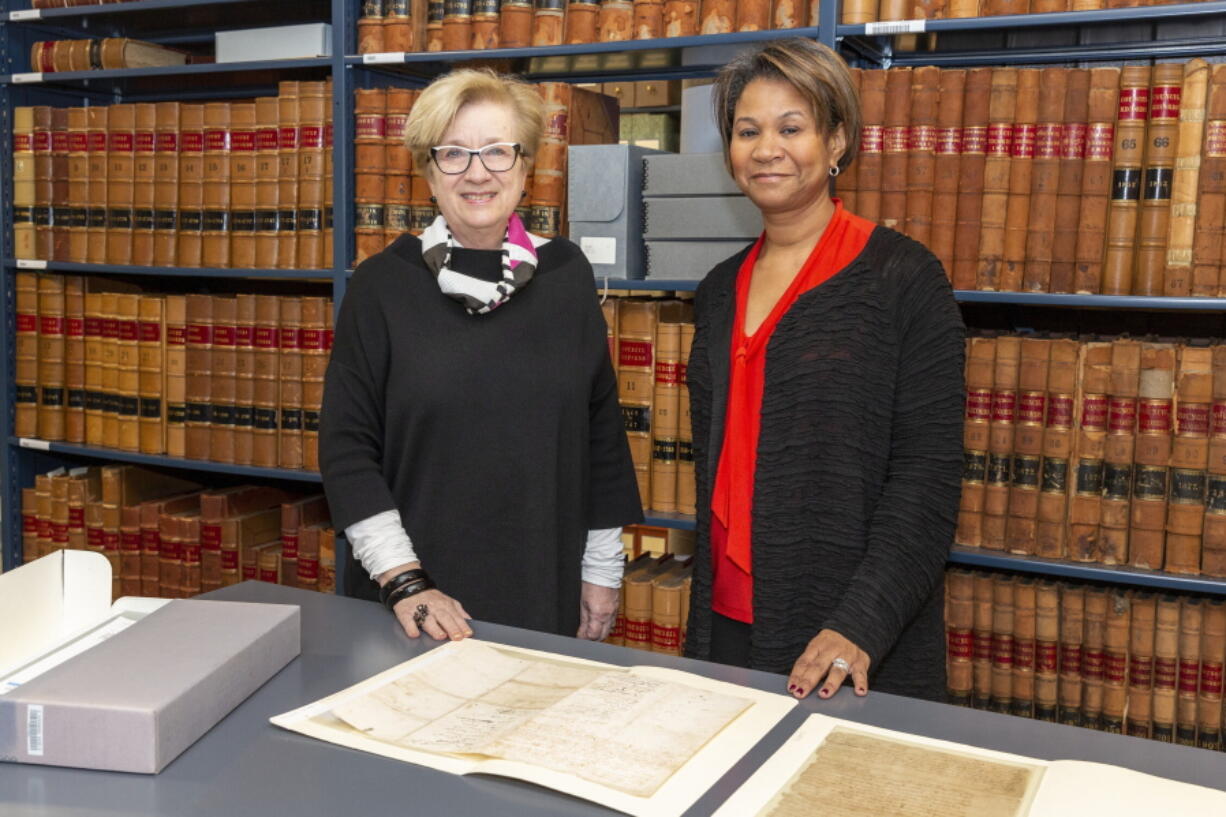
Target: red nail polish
791	687
800	691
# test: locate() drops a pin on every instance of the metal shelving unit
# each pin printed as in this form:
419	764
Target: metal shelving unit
170	272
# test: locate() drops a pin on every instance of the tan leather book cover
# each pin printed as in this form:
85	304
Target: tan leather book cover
127	487
996	176
191	186
1166	669
1000	442
1152	455
166	184
857	12
199	375
144	190
1021	161
637	321
1161	146
175	383
846	185
1212	655
894	148
94	541
287	173
992	8
638	602
1138	719
515	20
1185	515
307	576
96	212
44	183
1213	555
1001	698
436	11
243	192
1029	422
665	417
971	166
51	351
1098	178
921	146
95	396
1119	450
457	25
25	352
244	378
370	27
370	111
310	216
1072	625
751	15
216	507
60	213
1211	197
1025	611
59	509
124	521
189	551
1068	191
78	186
980	368
120	182
1191	612
267	391
398	31
959	634
715	17
312	510
24	245
127	314
223	355
160	558
1115	660
42	486
110	369
666	592
981	662
124	52
615	21
1044	181
892	9
947	158
311	340
1058	437
1177	276
687	500
84	487
267	167
240	534
289	433
1085	500
168	564
327	561
215	247
872	142
1094	657
1047	652
151	365
74	358
1130	142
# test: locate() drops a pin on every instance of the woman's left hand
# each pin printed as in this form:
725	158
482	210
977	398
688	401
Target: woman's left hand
818	661
597	610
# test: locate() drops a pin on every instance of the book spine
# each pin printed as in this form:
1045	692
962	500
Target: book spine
751	15
398	184
894	148
1166	669
1096	180
398	32
1139	718
687	499
96	212
980	366
666	615
1177	276
1126	179
166	575
327	561
649	19
223	383
846	184
288	120
1161	146
120	182
1021	163
1072	626
151	364
858	12
44	184
615	20
189	554
198	375
436	11
144	187
130	545
166	184
314	365
74	358
266	392
665	418
243	192
1045	181
1119	451
680	20
995	202
960	635
310	218
61	216
244	378
1211	196
1094	657
1030	416
190	245
948	157
457	25
1191	610
1001	699
1068	192
1025	622
872	144
1047	652
1115	661
128	371
95	397
370	27
1058	436
921	147
1152	456
290	426
1000	442
175	381
1213	547
635	384
267	165
25	353
370	115
24	182
110	370
215	249
515	19
51	350
78	184
1212	656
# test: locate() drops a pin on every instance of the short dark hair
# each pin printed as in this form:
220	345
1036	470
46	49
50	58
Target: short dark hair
814	70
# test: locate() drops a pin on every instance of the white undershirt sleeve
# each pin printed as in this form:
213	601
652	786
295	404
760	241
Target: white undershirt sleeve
380	542
603	561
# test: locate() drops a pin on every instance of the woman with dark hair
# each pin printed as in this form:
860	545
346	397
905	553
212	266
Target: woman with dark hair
826	388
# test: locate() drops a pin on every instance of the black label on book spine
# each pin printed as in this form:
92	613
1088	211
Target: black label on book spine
1187	487
435	11
23	215
685	451
1089	478
60	216
286	221
1215	494
1209	738
265	419
1055	476
397	8
244	416
420	216
52	396
42	216
1070	716
291	419
151	408
166	219
1025	471
112	403
327	218
267	221
142	219
1126	184
310	421
223	414
242	221
191	221
550	5
78	218
1149	482
664	449
26	394
1137	729
1117	480
76	398
485	7
974	466
119	219
309	219
1164	732
1185	735
637	418
94	401
198	412
1111	724
128	406
397	217
1045	712
369	215
176	414
1158	183
95	218
372	8
457	8
998	469
216	221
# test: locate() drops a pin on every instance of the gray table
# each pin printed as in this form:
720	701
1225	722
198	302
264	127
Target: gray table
246	766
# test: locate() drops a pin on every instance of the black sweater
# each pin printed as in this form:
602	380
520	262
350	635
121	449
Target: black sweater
498	437
859	460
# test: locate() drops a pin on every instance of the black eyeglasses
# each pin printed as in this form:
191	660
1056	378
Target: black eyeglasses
453	160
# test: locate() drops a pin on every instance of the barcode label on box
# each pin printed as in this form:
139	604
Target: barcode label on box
34	730
20	79
30	263
894	27
383	58
37	445
26	14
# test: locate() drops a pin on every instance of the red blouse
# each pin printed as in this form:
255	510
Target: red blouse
732	496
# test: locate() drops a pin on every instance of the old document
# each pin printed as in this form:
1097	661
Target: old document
642	740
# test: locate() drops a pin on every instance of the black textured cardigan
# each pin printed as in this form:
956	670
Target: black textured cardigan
859	461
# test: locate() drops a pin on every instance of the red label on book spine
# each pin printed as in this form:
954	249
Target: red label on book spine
872	139
76	518
667	372
42	141
1000	139
635	353
229	559
1002	650
1155	417
1025	137
145	141
1047	655
1100	142
308	570
27	322
266	337
110	542
44	528
393	126
1192	420
328	135
110	328
1140	670
190	554
896	139
176	335
1070	659
1004	404
1115	666
1094	412
210	537
128	331
1164	101
289	545
975	139
1134	104
223	335
244	335
121	141
557	125
948	141
150	332
1219	419
960	643
59	141
97	141
665	638
1031	408
1092	662
370	126
268	574
1215	139
29	523
267	139
921	137
1122	415
50	325
983	646
311	340
129	541
1189	675
23	142
1166	671
217	139
638	630
242	141
287	138
249	573
151	540
192	141
78	142
1060	411
329	336
94	539
289	338
59	533
979	405
199	333
167	142
75	327
311	137
1211	678
1048	140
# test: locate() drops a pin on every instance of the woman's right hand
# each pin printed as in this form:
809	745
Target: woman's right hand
441	617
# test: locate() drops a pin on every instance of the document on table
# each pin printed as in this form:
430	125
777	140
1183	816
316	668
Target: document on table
843	769
643	740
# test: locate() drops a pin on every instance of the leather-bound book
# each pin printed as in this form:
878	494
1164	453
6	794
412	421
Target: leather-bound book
1058	437
129	553
1161	146
289	444
715	16
971	166
1115	660
751	15
74	359
24	245
1000	442
151	368
635	383
216	507
921	160
1072	625
1211	196
872	145
1025	611
1119	450
1044	181
42	489
95	398
161	542
615	20
78	184
1068	188
1021	162
1030	415
217	174
515	19
25	353
1141	665
51	350
894	148
1096	179
144	189
175	384
980	367
370	129
582	19
44	183
307	576
1191	612
312	104
1047	651
110	370
61	215
244	378
191	186
240	535
166	184
120	182
457	24
994	8
266	392
1152	455
127	310
1213	553
243	159
649	19
665	419
189	552
288	119
995	202
370	27
857	12
84	487
267	166
680	18
169	562
1001	699
397	188
312	510
1086	495
263	563
960	635
327	228
327	561
436	11
1093	657
666	591
638	586
96	212
892	10
199	376
687	499
222	387
398	33
129	486
59	510
1166	669
948	157
1212	656
1180	234
311	340
1126	180
846	184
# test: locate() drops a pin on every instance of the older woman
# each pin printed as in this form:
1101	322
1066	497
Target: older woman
826	388
470	423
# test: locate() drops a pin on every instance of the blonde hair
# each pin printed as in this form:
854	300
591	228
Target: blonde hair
441	101
814	70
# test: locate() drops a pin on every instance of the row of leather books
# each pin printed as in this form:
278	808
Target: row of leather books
1126	661
649	341
50	56
1103	180
392	197
60	4
170	537
229	378
459	25
857	12
244	184
655	604
1107	451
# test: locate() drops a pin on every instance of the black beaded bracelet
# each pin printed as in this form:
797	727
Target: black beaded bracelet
405	590
398	581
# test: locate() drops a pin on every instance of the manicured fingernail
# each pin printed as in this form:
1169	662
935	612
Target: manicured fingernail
800	691
861	690
791	687
825	693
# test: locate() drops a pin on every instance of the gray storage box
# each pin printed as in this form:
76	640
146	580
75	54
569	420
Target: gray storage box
605	202
723	217
687	260
274	43
687	174
134	702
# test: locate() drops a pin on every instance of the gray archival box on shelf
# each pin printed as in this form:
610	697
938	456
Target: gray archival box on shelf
604	197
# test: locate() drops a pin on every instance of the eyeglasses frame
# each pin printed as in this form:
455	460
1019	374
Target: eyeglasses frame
519	152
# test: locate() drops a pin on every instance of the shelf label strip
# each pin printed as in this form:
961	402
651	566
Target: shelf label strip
894	27
21	79
25	14
37	445
383	58
29	263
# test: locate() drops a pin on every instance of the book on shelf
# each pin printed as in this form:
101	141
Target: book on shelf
1040	226
1185	180
1021	165
996	177
1161	147
105	54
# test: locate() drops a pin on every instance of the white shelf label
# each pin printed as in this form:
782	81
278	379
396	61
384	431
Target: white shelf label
26	14
894	27
30	263
37	445
20	79
383	58
599	249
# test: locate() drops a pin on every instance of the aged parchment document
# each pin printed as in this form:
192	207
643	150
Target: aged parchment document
834	767
643	740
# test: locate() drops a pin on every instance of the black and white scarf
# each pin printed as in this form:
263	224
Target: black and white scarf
478	296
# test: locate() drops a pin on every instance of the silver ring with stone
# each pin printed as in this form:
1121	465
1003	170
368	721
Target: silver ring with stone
841	663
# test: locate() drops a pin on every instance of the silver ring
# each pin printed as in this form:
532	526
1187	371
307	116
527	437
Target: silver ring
842	664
